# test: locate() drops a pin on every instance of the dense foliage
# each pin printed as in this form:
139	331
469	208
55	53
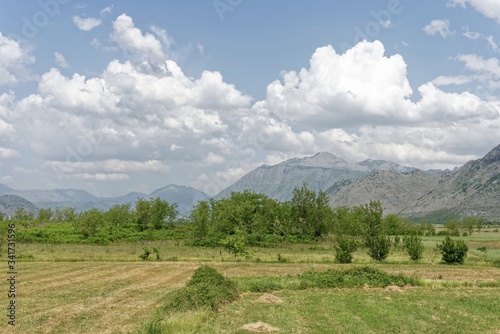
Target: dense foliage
453	251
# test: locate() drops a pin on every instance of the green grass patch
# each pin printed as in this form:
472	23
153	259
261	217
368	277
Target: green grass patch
331	278
414	310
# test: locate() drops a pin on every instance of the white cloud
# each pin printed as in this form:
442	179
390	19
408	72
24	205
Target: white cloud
214	159
161	123
492	43
60	60
361	85
131	39
444	80
106	10
102	176
86	23
479	64
201	48
7	153
386	24
489	8
13	61
471	34
476	35
441	27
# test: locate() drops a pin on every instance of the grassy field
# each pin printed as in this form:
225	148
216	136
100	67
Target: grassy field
108	289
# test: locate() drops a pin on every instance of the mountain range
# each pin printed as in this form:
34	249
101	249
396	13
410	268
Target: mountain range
185	197
473	189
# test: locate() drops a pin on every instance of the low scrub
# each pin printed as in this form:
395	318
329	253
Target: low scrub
331	278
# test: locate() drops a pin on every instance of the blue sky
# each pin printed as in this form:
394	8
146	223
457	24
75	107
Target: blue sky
116	97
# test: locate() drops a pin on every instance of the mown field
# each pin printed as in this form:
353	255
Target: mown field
108	289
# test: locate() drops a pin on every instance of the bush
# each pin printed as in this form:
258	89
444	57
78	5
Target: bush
453	251
413	246
378	247
344	247
207	288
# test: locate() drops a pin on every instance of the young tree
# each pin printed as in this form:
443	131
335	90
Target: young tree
413	246
118	216
378	243
44	215
200	218
154	213
310	212
453	251
22	214
88	222
344	247
236	243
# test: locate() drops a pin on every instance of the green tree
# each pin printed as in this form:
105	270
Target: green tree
118	216
22	214
377	242
44	215
310	212
88	222
154	213
200	218
143	211
452	227
413	246
453	251
236	243
344	248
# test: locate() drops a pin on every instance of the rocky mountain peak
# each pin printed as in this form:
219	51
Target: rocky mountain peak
323	160
492	156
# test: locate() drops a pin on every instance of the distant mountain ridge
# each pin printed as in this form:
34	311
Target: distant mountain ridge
10	203
184	197
321	171
471	190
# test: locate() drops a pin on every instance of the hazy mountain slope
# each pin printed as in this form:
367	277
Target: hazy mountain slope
319	172
185	197
396	191
473	190
10	203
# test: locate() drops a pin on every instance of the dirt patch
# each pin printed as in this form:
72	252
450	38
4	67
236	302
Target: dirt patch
259	327
269	298
393	288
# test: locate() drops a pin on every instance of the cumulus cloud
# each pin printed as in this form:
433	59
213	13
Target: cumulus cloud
339	88
14	60
441	27
144	116
489	8
86	23
131	39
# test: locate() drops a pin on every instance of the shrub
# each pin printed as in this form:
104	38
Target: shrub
413	246
344	247
453	251
378	247
145	255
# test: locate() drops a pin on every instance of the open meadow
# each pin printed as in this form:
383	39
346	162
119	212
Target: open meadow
109	289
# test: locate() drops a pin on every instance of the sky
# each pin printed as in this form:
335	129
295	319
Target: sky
114	97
